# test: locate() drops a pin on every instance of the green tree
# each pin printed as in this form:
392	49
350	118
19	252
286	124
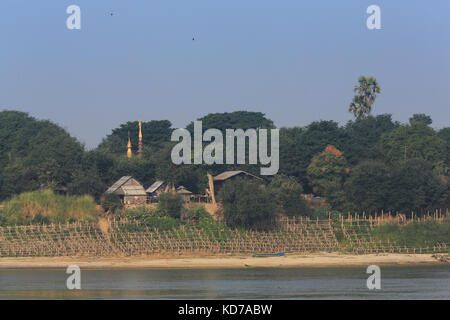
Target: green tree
170	204
247	203
414	186
362	136
35	153
155	134
366	93
327	173
194	178
287	193
299	145
413	141
140	168
87	178
421	117
444	134
368	187
2	219
233	120
112	203
86	182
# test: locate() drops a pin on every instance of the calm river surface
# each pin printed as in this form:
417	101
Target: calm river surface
397	282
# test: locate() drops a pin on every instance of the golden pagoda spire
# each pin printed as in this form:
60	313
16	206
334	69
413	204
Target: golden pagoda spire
129	152
140	139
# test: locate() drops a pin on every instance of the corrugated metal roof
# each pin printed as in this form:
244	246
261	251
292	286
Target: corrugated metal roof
155	186
228	174
118	184
133	191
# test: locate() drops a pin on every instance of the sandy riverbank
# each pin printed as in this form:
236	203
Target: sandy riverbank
221	261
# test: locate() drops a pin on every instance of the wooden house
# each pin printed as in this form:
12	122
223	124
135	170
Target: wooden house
229	175
130	191
156	189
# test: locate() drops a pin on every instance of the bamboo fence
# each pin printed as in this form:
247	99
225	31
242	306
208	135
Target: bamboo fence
131	238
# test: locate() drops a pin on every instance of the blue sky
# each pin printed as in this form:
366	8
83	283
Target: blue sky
296	61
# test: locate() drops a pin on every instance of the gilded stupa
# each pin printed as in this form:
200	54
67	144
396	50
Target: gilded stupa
139	152
129	152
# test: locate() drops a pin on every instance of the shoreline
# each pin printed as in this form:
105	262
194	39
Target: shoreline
220	261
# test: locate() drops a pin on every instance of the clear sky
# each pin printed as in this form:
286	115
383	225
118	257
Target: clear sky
296	61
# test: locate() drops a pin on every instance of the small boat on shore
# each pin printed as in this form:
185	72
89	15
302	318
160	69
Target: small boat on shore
269	254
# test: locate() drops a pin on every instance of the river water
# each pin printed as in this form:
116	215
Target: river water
397	282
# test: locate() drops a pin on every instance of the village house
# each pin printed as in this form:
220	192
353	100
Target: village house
156	189
184	193
230	175
160	186
130	191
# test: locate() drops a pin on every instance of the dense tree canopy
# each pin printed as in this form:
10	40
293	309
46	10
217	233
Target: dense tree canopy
234	120
34	154
247	203
421	117
375	163
286	191
414	186
156	134
368	187
299	145
413	141
361	137
410	186
327	173
444	134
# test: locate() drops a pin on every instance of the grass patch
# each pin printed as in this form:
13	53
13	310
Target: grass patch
47	207
415	234
192	218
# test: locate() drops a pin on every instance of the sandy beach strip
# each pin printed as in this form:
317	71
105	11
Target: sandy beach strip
219	261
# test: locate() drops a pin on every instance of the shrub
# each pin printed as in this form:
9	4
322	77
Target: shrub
287	193
247	203
161	223
191	215
112	203
46	207
149	217
324	212
415	234
201	218
2	219
170	204
140	212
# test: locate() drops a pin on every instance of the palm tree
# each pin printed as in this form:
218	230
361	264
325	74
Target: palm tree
367	90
